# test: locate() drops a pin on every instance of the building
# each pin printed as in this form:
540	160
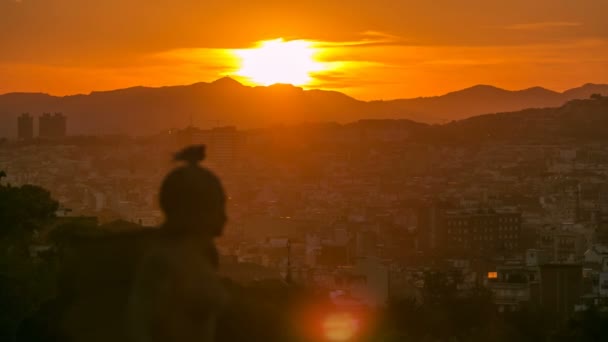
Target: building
52	126
483	231
513	286
428	226
222	143
562	245
596	257
556	289
442	229
25	127
561	287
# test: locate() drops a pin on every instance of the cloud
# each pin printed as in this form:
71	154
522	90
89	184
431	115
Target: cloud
543	25
368	39
337	79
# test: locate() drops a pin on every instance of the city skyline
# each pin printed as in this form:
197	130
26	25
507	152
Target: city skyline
273	170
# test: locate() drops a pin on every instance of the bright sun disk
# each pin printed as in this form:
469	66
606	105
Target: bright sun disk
279	61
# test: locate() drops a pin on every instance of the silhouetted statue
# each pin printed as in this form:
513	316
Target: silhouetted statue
177	294
144	285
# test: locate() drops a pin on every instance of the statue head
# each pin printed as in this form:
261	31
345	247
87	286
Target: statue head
192	197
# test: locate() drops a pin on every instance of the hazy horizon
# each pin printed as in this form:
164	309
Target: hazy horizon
239	80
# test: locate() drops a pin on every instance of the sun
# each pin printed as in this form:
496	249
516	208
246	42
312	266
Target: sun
279	61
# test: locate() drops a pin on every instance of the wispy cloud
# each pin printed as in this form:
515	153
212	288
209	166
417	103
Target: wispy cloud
368	38
543	25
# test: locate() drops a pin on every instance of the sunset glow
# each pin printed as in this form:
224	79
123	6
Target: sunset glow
327	171
369	54
279	61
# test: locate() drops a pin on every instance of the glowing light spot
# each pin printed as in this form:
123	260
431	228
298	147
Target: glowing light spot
279	61
340	327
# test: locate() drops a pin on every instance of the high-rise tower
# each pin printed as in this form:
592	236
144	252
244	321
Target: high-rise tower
25	127
52	126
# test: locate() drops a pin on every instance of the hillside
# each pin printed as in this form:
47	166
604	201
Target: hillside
144	110
577	121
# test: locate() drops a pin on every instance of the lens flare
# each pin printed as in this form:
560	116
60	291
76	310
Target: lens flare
340	327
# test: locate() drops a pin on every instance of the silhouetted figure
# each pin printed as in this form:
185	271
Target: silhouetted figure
176	294
143	285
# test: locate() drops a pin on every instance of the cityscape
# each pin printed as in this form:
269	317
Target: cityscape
362	211
309	171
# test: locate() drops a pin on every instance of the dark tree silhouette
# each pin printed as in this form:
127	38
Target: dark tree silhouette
445	314
25	282
596	96
25	208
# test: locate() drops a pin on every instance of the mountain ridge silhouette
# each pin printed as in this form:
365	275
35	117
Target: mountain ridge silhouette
145	110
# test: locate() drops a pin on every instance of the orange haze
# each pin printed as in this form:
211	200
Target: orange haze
367	49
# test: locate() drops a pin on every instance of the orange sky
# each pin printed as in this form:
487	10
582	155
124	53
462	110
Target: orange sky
384	48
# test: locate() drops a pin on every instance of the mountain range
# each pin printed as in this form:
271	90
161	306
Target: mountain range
145	110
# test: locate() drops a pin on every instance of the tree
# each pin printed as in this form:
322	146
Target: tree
588	325
25	283
2	175
24	209
596	96
462	315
